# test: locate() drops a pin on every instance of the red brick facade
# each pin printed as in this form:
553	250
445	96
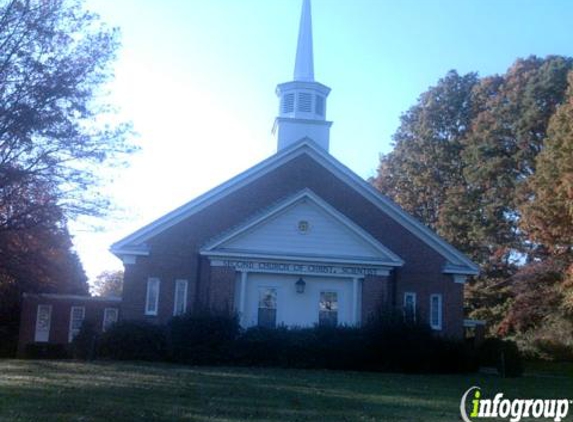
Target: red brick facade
61	305
174	253
376	295
222	289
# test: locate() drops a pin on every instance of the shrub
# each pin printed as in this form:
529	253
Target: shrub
133	341
552	349
397	345
385	344
501	354
552	340
338	347
260	346
8	341
450	356
318	347
203	339
46	351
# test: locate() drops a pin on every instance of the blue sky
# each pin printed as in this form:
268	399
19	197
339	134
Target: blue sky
197	79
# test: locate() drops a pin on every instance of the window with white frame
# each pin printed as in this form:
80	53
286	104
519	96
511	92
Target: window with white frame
436	311
152	300
410	307
43	322
180	300
267	314
110	317
77	315
328	309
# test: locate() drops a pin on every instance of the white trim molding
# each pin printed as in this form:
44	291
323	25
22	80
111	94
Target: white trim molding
472	323
243	297
72	297
240	257
411	295
459	270
438	324
136	242
105	324
356	296
180	297
152	307
296	266
129	259
74	328
43	323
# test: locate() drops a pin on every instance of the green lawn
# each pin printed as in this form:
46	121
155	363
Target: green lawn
69	391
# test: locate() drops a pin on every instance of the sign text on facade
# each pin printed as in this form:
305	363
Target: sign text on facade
300	268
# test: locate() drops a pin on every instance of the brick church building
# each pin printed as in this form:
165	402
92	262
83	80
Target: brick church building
298	239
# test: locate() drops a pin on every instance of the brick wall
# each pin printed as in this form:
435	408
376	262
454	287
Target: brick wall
222	289
60	316
174	253
376	295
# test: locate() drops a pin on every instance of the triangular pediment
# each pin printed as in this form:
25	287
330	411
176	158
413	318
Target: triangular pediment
303	226
137	243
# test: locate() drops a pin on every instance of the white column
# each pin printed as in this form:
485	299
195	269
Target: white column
355	299
243	297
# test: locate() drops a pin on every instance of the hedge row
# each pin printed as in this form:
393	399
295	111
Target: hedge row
386	344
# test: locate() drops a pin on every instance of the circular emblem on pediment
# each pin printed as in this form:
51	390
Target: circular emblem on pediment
303	226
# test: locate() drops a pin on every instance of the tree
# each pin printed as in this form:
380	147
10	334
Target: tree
500	157
54	58
109	283
459	222
547	219
547	214
500	152
425	163
463	159
539	317
36	260
57	134
537	295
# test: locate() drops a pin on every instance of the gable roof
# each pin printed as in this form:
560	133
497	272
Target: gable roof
134	244
331	236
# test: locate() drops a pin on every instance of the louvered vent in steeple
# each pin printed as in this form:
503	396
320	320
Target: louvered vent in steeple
302	112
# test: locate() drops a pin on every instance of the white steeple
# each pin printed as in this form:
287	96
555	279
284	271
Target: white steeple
302	111
304	64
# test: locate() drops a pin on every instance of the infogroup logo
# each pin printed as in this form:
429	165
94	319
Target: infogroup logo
514	410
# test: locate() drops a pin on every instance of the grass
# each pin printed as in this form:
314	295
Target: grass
49	391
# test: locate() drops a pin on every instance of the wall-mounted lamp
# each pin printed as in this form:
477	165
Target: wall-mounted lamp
300	285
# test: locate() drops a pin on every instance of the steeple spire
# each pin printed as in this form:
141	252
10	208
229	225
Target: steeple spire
302	108
304	65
